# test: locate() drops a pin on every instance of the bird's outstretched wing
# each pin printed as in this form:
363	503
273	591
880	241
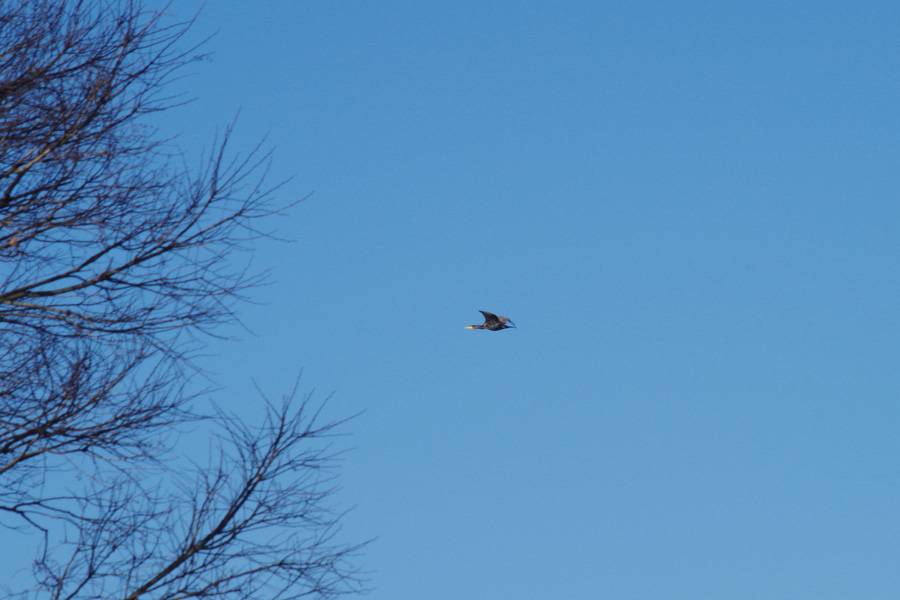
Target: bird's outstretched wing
488	317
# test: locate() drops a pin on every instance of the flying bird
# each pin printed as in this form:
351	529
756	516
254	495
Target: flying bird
493	322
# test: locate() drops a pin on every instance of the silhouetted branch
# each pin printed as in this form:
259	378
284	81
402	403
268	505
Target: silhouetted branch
253	523
114	259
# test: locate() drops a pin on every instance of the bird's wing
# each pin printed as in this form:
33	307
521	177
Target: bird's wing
488	317
503	319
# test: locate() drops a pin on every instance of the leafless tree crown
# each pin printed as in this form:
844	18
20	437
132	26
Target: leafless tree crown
113	258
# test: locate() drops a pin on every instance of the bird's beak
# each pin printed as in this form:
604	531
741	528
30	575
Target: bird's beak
469	327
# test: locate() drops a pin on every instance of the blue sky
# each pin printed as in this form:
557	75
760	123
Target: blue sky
691	211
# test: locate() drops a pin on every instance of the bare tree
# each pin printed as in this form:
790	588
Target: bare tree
115	260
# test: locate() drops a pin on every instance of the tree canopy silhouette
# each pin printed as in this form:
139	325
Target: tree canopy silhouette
115	260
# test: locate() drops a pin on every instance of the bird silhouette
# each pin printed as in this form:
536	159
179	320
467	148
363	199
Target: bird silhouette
493	323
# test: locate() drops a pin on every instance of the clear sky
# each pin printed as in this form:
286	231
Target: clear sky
692	212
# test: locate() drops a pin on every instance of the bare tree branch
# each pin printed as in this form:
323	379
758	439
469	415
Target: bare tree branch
115	260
